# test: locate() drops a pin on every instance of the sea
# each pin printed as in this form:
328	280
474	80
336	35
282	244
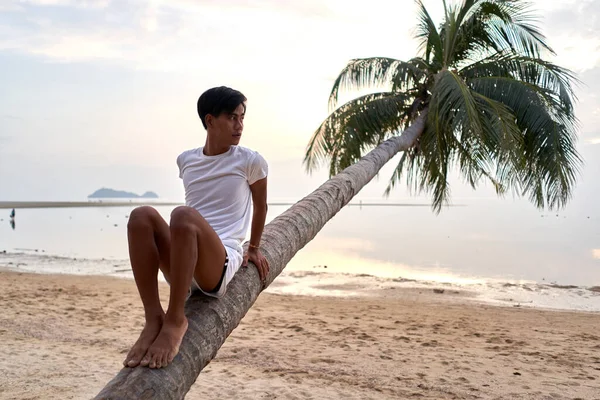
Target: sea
502	251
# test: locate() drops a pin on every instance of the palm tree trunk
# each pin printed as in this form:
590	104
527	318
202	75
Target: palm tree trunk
211	321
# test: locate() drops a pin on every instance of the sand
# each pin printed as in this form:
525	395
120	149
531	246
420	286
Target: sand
64	337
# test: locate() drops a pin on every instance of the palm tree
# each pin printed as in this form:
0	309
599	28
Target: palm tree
496	110
473	113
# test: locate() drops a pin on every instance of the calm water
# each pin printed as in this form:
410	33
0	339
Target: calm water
485	245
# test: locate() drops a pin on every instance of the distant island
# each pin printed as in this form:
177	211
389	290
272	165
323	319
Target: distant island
106	193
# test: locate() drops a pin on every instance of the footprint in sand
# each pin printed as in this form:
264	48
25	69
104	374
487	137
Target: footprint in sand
494	340
364	336
295	328
323	360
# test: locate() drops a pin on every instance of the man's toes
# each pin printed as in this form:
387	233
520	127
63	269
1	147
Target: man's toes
133	362
171	357
129	357
145	361
155	362
159	361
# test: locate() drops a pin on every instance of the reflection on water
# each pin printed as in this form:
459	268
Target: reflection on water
327	258
11	221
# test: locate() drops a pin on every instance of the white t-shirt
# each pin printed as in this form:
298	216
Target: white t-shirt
219	188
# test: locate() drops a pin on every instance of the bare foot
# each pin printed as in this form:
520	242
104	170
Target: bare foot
147	337
166	346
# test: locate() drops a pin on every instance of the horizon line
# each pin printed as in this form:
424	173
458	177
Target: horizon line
140	202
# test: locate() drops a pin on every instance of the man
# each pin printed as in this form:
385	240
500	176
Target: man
200	249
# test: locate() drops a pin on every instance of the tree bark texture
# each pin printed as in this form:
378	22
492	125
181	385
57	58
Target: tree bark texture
212	320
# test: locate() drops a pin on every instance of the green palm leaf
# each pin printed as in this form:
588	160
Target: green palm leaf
554	82
355	127
377	72
549	137
430	42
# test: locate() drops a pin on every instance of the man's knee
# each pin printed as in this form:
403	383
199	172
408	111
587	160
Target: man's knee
141	217
183	219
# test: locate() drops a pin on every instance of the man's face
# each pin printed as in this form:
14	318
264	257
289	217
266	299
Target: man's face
229	126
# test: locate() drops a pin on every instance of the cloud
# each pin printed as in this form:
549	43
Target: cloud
306	8
581	14
573	29
12	117
10	6
4	139
588	107
65	3
266	39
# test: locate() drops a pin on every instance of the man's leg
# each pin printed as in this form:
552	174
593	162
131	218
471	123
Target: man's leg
196	251
149	236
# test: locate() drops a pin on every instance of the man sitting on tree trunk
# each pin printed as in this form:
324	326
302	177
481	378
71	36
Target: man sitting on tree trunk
200	249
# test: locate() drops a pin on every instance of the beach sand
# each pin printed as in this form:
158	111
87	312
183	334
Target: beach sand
64	337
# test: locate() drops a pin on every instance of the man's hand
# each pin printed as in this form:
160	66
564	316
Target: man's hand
259	260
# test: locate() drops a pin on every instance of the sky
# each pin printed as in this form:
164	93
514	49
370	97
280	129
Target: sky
102	93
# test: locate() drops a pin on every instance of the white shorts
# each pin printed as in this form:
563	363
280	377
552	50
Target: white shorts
233	264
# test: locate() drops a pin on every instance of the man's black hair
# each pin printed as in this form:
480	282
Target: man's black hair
218	100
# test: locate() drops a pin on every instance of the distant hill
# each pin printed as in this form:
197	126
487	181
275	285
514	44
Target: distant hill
106	193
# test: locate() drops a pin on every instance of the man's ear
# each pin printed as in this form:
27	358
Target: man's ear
209	119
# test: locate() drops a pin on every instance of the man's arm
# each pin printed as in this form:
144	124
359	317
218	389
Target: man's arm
259	216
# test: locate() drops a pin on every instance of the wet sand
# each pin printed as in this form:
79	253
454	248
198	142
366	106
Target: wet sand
65	336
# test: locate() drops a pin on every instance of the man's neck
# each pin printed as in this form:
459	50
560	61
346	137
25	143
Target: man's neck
212	148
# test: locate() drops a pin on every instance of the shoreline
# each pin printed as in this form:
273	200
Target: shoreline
431	289
317	281
66	335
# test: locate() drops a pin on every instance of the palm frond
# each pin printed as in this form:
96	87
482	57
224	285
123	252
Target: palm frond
551	162
376	72
356	126
485	27
553	165
472	36
554	82
512	26
452	97
475	164
410	74
430	42
505	152
436	152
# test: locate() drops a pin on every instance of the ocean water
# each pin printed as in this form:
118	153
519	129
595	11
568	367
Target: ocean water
503	251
